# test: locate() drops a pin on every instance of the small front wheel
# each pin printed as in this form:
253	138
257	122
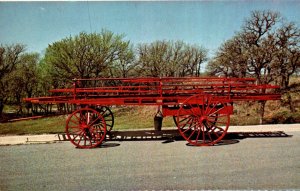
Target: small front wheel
86	128
108	116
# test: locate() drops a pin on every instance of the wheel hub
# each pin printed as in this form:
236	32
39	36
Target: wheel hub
202	119
84	126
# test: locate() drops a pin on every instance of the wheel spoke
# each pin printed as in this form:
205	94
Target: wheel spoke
197	138
75	122
216	134
191	135
75	127
188	110
221	129
77	135
209	136
190	126
90	141
83	134
194	108
208	120
218	122
107	115
81	116
214	106
184	119
185	123
92	123
216	111
76	132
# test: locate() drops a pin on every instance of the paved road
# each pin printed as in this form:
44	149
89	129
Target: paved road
250	163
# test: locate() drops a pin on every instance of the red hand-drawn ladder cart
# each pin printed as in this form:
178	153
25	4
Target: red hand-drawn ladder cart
201	107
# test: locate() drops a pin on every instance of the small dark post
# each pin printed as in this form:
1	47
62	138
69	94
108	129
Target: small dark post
158	118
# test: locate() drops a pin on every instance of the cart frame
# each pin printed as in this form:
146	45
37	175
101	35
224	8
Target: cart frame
201	107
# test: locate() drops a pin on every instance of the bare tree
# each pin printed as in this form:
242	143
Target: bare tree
266	48
167	58
125	64
288	52
9	58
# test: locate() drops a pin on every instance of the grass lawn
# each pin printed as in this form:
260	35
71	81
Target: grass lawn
37	126
124	117
138	117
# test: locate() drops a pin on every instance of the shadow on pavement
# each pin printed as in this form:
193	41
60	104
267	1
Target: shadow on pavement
170	136
108	145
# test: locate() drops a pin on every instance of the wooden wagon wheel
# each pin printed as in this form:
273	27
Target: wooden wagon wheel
86	128
205	123
108	116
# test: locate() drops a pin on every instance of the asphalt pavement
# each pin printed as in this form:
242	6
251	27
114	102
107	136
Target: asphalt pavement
52	138
253	160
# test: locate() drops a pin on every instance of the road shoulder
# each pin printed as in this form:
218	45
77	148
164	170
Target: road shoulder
52	138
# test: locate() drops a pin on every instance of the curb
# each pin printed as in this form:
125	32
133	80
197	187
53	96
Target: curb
29	139
54	138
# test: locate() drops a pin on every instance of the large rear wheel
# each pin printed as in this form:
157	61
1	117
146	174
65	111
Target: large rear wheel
203	121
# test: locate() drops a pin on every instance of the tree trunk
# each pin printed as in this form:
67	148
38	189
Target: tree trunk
290	102
262	105
1	107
